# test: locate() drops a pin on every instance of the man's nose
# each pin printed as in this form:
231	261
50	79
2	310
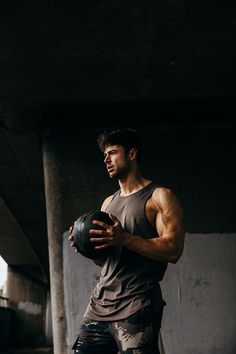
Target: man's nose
106	159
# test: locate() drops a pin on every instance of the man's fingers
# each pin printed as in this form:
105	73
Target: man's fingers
71	238
97	232
105	245
101	223
104	240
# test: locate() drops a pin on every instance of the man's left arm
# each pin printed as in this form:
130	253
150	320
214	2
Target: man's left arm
168	247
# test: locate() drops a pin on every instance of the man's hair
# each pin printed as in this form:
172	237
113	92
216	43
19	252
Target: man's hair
128	138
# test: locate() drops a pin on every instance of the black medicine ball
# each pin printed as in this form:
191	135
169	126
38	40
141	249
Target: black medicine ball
82	236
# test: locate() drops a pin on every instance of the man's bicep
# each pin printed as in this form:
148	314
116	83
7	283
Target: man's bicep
170	208
170	217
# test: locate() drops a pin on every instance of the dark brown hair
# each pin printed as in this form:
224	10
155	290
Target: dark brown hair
128	138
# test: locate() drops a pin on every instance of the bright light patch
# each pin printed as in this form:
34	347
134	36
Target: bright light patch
3	272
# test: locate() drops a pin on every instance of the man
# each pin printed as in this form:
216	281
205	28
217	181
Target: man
125	309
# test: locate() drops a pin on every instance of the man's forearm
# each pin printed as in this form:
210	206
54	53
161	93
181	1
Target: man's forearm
161	248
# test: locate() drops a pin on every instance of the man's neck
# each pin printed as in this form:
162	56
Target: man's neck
132	184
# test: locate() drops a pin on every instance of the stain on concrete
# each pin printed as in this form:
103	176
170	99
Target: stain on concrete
30	308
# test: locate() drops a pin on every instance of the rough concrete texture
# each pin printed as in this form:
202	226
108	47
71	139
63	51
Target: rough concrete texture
80	277
199	290
54	221
27	299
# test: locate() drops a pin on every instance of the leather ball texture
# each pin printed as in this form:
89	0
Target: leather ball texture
82	236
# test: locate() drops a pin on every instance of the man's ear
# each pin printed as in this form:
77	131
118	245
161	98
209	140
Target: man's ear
133	153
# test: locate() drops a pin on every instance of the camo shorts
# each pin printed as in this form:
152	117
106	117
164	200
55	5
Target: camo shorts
137	334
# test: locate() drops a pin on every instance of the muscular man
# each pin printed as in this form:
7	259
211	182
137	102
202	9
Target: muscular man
125	308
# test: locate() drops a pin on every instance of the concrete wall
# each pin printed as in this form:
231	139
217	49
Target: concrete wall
199	290
80	278
28	301
198	163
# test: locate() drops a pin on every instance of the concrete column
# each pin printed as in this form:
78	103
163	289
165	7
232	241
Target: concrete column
55	243
28	300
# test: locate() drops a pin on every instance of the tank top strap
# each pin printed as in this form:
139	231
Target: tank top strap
147	192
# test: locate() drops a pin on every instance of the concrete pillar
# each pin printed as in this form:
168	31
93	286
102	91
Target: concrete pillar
28	301
74	184
55	243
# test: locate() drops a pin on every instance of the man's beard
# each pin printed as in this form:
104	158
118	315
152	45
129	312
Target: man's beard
120	174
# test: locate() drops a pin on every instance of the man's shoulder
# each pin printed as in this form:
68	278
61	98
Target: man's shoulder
162	191
161	188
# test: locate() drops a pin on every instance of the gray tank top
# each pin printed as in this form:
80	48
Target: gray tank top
128	280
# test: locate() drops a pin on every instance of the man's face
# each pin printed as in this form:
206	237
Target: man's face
116	161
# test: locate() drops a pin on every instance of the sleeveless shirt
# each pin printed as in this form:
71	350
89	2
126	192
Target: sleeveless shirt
128	281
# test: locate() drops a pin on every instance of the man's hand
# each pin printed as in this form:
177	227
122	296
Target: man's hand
112	235
71	239
98	262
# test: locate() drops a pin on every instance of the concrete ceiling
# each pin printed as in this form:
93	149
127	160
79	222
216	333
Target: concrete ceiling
102	51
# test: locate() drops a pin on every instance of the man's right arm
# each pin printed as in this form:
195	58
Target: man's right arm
99	262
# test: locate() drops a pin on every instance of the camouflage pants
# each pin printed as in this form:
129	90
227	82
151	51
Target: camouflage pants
137	334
